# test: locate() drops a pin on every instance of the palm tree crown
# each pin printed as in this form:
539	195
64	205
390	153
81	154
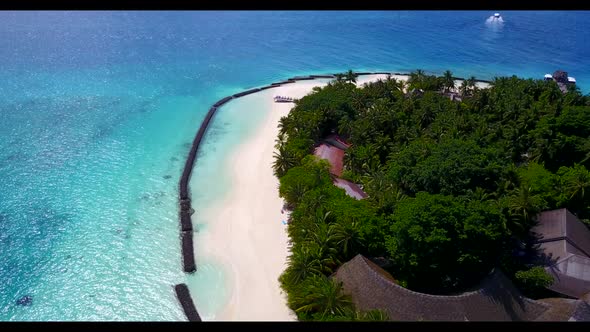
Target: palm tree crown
448	81
350	76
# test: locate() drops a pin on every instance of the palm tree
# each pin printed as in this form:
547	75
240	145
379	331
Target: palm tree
350	76
325	297
323	234
416	79
508	181
448	81
405	134
524	205
362	158
464	89
302	264
479	194
428	115
403	86
339	77
294	193
358	101
586	158
318	204
577	184
372	315
399	85
284	160
283	125
471	82
281	140
346	237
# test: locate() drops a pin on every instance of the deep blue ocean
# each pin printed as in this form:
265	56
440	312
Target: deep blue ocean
98	111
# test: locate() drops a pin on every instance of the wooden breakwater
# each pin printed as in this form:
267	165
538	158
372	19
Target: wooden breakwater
186	211
185	202
477	80
186	226
186	301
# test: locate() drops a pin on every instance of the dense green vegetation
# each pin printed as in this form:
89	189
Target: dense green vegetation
534	280
453	186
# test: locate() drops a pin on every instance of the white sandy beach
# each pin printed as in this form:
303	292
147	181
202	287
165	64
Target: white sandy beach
246	233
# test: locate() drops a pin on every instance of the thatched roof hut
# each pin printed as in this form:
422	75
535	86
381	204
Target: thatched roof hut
495	300
565	310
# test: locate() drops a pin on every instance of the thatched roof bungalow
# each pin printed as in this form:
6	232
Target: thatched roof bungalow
565	310
373	288
496	299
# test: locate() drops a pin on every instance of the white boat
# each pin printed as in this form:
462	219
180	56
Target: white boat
495	19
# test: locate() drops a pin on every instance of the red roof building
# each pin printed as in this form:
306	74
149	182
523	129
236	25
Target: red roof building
333	155
332	150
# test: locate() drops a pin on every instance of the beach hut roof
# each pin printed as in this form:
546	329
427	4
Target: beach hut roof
332	150
565	310
333	155
496	299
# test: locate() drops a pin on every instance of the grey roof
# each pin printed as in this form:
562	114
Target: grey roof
351	189
495	300
565	241
571	276
575	266
582	312
557	224
560	76
337	141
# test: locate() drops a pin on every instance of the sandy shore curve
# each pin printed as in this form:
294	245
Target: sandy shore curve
246	232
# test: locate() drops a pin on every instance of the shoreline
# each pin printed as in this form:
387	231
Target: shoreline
256	201
246	233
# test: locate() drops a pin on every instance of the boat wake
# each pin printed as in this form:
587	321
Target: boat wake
495	19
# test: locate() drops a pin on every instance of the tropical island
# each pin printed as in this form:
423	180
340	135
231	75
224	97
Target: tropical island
443	185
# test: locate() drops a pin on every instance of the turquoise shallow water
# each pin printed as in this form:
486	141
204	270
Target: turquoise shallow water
209	186
98	110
